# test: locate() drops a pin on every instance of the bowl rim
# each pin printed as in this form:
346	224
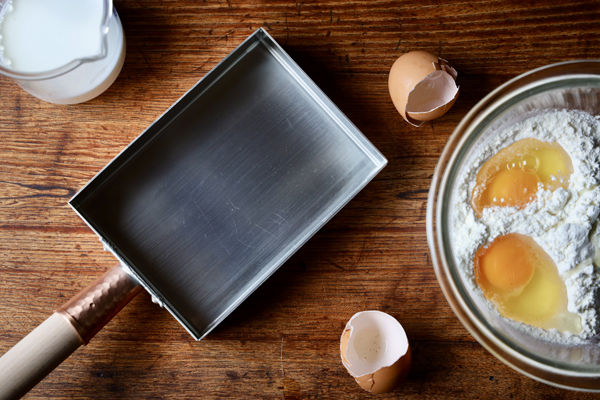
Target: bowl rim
536	78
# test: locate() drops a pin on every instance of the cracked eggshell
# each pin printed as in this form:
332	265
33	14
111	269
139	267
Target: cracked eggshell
422	86
375	351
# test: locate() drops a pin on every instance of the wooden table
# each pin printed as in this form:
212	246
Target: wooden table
283	342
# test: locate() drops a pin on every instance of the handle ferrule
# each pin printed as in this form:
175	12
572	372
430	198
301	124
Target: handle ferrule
98	303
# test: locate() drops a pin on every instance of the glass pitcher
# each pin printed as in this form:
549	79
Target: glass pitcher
78	79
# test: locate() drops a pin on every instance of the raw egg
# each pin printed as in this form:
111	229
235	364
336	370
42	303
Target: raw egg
511	177
522	280
422	86
375	351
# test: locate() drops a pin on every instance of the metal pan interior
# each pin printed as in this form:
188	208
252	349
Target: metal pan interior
223	188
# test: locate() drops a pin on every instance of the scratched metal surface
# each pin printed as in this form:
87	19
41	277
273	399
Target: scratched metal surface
214	196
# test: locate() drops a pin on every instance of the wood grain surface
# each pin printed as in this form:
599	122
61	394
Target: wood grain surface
283	341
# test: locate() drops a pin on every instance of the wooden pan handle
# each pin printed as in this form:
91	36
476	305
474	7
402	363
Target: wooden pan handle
72	325
36	355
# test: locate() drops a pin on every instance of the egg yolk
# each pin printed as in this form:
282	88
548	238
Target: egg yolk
511	178
523	282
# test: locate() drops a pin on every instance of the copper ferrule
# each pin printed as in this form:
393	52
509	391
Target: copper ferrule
98	303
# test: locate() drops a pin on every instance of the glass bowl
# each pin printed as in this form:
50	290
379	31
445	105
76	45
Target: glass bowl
571	85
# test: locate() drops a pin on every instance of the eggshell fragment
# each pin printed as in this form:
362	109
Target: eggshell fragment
375	351
422	86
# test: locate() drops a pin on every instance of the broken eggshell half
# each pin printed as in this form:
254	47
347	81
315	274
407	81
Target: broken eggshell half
422	86
375	351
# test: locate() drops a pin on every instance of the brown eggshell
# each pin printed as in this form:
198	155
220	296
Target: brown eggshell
386	378
407	72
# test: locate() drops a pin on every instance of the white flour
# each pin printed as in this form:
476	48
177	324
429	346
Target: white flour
563	222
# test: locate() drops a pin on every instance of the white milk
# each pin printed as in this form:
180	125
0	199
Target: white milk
41	35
